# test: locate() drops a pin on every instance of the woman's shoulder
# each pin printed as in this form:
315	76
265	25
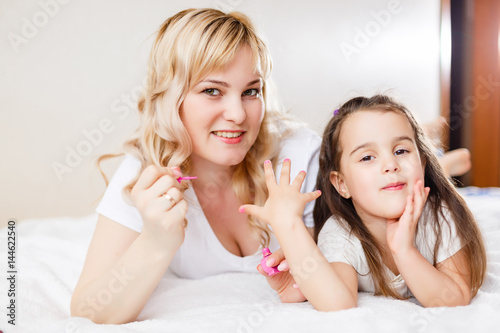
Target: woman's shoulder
301	135
300	142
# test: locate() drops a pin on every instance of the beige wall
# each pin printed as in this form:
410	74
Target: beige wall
71	70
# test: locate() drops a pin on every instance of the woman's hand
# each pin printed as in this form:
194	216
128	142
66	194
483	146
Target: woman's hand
285	201
160	202
283	282
401	232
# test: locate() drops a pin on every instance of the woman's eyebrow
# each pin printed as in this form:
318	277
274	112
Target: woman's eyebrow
251	83
227	85
220	83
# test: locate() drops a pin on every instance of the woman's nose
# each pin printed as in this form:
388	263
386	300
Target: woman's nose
234	110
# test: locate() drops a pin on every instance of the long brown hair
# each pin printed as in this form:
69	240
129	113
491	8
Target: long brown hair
443	196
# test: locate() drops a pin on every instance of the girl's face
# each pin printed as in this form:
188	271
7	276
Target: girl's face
223	112
380	163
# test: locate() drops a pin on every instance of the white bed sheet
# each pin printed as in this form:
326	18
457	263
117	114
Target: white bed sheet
51	252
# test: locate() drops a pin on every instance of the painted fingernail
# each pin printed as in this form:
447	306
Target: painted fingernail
267	162
177	171
282	266
270	262
296	286
318	191
286	160
242	210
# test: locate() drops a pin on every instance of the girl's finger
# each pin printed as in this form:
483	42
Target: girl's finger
285	172
269	173
420	197
253	210
408	213
311	196
299	180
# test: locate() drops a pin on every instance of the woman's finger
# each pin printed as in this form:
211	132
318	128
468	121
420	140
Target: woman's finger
171	198
149	176
275	258
162	185
283	266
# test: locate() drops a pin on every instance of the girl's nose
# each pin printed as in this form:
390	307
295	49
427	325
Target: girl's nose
391	165
234	110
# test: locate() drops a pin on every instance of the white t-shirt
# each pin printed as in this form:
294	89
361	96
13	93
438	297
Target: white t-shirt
338	245
201	253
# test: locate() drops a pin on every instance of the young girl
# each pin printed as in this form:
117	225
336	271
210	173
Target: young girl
205	113
388	220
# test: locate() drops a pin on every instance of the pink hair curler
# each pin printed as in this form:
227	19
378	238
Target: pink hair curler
269	270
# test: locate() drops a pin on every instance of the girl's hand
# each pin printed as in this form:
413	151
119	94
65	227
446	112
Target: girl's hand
160	202
285	201
401	232
283	283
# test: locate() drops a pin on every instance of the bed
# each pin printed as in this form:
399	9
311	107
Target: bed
50	254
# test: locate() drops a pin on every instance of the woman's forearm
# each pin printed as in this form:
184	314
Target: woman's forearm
120	293
430	286
315	276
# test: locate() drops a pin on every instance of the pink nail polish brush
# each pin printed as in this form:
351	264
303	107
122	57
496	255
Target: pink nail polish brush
269	270
185	178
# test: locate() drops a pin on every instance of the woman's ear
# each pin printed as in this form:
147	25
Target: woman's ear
337	180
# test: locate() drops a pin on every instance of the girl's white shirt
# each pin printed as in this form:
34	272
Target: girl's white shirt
201	253
338	245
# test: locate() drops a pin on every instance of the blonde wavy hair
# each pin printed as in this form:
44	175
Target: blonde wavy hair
188	46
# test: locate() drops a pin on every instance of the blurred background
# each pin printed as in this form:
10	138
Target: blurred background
71	72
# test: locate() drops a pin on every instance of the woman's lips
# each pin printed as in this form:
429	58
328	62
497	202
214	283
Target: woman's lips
394	187
229	137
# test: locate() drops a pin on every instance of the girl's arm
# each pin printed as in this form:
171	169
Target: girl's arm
123	267
444	285
328	287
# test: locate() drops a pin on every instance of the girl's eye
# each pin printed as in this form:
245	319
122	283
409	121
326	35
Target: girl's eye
400	152
251	92
212	92
367	158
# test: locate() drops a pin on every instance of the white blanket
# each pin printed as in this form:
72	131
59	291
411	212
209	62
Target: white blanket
50	255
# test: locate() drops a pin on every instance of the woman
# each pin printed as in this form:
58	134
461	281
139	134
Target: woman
203	114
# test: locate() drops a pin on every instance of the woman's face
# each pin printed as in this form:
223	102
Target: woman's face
223	112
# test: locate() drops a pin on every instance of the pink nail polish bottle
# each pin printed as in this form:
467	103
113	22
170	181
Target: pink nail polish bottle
269	270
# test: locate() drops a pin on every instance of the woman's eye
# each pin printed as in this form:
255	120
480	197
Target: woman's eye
401	152
251	92
367	158
212	92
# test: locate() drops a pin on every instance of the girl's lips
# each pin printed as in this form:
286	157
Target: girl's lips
394	186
